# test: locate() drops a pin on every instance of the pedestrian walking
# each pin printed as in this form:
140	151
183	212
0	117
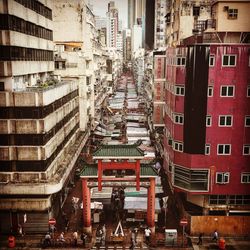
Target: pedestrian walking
20	230
47	239
134	235
75	237
215	236
200	239
104	233
147	235
132	246
61	237
83	238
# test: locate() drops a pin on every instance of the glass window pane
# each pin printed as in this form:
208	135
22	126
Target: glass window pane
232	60
225	60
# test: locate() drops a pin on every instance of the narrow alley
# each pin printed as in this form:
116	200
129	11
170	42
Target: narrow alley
124	121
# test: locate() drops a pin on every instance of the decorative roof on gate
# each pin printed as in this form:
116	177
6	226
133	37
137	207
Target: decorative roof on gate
91	171
122	151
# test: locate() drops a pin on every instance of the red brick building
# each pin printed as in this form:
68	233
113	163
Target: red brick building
207	125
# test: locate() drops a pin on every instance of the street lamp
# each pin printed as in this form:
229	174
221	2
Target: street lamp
165	206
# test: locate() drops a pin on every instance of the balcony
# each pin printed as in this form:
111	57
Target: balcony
202	25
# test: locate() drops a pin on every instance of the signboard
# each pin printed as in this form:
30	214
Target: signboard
183	222
158	114
52	221
118	183
140	215
159	91
159	67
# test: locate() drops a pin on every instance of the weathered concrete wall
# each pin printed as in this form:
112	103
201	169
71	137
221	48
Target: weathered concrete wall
225	225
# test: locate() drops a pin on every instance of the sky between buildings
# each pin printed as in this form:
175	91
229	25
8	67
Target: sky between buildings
100	7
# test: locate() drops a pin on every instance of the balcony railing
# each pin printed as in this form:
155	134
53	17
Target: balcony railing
203	25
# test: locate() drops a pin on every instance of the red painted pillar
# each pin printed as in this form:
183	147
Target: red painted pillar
137	172
151	205
99	175
86	205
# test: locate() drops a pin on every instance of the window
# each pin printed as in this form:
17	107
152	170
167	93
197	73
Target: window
227	91
210	91
245	177
224	149
229	60
1	86
178	118
247	121
179	90
232	13
211	61
239	199
248	91
222	178
196	10
207	149
178	146
208	121
60	65
88	80
181	61
189	179
225	120
217	199
246	149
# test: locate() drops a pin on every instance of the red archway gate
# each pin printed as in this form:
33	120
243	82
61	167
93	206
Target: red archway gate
118	157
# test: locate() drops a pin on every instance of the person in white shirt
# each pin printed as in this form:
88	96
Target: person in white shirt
147	234
61	237
75	237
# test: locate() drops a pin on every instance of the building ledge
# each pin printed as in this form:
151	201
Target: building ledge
49	186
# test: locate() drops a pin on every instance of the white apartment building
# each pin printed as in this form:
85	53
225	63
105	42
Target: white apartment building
136	38
160	23
112	25
183	14
39	119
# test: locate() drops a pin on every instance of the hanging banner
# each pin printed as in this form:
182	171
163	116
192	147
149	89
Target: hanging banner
159	91
158	114
159	67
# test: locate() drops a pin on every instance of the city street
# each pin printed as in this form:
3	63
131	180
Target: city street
125	124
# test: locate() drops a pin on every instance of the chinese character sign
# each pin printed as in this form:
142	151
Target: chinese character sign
158	92
159	67
158	114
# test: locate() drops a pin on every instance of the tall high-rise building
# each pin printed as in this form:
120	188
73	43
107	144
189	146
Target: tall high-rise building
160	24
136	19
150	24
119	43
112	25
127	45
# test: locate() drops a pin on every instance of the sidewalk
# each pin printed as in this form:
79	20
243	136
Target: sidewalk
33	242
231	244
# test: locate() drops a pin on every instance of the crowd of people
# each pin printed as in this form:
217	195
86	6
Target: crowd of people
50	239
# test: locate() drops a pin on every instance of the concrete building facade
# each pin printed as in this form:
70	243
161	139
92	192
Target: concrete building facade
112	25
41	140
160	24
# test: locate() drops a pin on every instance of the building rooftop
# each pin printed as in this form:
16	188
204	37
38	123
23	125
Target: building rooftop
123	151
